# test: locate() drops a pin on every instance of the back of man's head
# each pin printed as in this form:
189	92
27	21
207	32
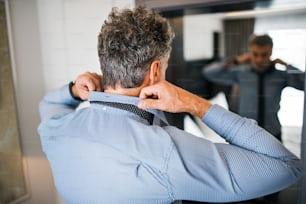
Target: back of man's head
128	42
260	40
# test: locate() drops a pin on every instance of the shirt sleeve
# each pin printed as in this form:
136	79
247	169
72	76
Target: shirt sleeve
57	103
252	164
217	73
295	77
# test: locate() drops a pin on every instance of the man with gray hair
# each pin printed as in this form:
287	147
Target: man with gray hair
259	83
120	149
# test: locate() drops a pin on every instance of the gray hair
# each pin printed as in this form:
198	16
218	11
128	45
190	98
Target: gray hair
260	40
129	41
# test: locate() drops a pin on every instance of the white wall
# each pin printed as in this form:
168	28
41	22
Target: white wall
68	34
282	21
198	35
52	42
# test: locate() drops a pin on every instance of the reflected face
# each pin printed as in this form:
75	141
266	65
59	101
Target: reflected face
260	56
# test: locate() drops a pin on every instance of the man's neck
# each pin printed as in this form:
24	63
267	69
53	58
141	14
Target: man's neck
124	91
127	91
263	70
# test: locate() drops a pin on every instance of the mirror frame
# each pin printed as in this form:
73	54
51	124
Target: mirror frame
23	161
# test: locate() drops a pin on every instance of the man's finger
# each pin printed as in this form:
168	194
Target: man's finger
98	85
90	83
148	104
148	92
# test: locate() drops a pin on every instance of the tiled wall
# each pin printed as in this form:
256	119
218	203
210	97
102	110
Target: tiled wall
12	183
69	37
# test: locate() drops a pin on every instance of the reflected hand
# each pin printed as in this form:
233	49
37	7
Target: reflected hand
244	58
89	81
279	61
241	59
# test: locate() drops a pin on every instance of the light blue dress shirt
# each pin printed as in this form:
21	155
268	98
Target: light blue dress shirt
99	154
274	81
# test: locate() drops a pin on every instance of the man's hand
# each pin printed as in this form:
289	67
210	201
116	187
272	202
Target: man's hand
279	61
241	59
244	58
89	81
170	98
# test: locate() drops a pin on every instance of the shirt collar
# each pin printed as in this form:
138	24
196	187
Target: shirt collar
109	97
269	69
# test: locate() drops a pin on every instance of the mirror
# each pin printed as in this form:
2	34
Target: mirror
12	177
231	31
288	31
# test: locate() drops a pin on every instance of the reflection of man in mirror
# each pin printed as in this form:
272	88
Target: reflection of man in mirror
260	83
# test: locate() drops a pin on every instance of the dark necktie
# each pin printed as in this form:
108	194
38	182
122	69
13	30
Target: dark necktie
261	100
129	107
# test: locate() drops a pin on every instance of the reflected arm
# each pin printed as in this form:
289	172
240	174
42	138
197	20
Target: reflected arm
220	73
295	78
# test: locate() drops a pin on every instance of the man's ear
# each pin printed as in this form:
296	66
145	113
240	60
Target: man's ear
155	72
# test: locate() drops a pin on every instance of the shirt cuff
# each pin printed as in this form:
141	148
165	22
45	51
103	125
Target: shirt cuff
71	93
